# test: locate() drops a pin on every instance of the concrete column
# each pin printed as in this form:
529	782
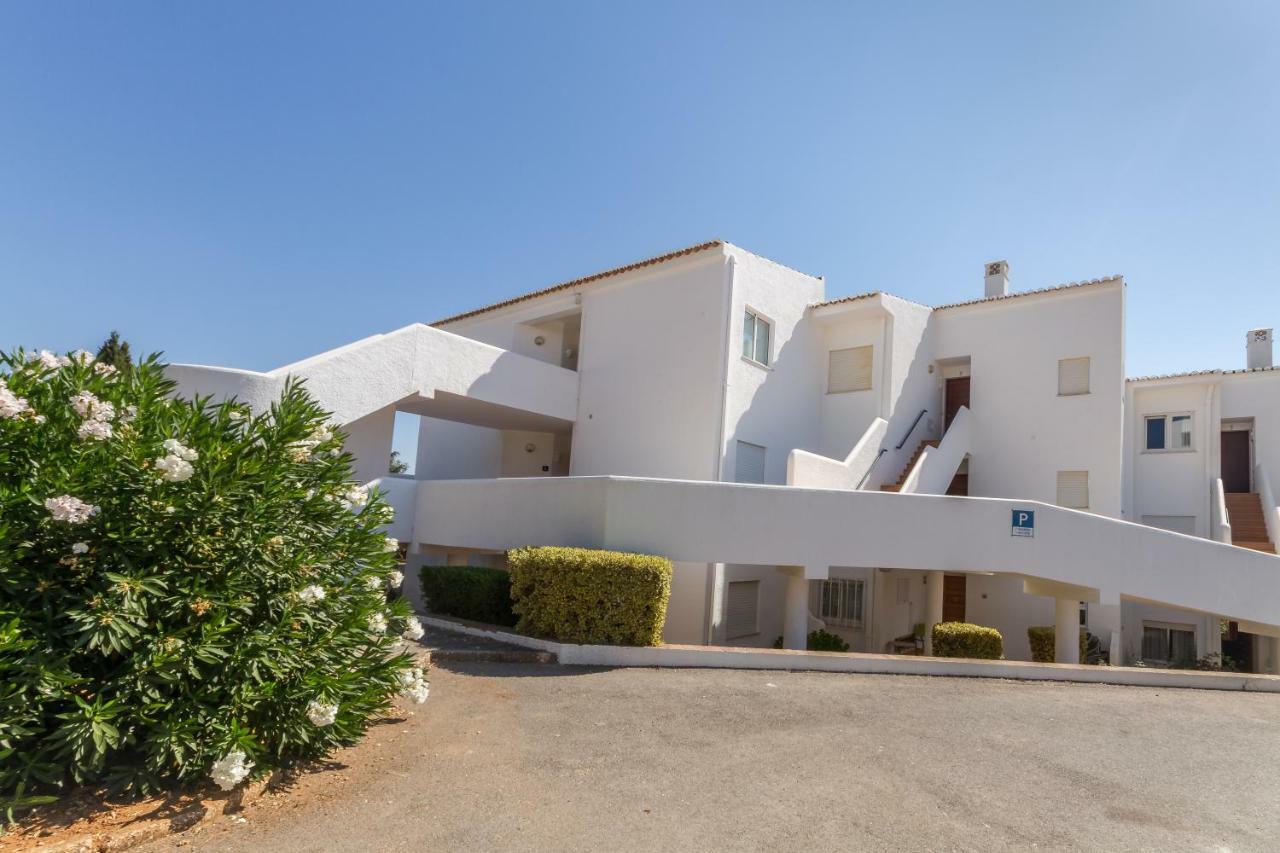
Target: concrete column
1066	630
1213	640
795	616
933	608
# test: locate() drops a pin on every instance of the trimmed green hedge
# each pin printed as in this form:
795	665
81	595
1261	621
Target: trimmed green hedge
576	595
1043	641
965	640
469	592
820	641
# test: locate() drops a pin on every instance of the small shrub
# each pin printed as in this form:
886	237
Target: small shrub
964	640
577	595
1043	640
469	592
820	641
825	641
186	589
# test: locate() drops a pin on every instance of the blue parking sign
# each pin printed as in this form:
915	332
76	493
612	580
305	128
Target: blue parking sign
1024	522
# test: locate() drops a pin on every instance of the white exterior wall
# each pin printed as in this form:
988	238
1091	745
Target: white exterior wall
1024	433
1257	396
650	372
777	406
1173	483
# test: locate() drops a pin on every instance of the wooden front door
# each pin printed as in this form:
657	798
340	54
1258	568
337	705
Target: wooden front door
957	395
953	587
1235	461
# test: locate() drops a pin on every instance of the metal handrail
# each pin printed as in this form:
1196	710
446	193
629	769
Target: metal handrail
923	412
885	450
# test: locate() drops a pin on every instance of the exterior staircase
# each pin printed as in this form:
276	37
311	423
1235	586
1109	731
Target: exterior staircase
1248	528
915	457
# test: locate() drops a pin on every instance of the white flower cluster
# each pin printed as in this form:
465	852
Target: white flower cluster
11	405
377	624
391	545
51	361
311	594
321	713
175	466
304	449
70	509
104	369
81	357
80	548
414	685
97	416
395	579
413	629
231	769
354	497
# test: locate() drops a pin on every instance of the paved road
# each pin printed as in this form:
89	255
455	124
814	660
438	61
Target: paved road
519	757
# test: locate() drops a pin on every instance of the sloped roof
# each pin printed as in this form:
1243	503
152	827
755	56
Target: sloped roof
577	282
1007	296
1210	372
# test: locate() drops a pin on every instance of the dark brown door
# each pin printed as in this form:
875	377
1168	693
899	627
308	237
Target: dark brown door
1235	461
957	396
953	598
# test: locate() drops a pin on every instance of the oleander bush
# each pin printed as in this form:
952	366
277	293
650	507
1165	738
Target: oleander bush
577	595
186	589
1043	641
820	641
966	640
469	592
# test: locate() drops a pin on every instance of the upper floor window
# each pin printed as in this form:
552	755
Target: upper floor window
1073	376
1073	489
756	331
849	370
1168	432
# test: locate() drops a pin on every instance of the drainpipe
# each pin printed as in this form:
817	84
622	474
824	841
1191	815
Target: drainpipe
1210	429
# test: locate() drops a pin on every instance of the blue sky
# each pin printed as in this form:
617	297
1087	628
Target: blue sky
248	183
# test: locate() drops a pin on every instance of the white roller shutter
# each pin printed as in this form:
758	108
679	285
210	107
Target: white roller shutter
741	607
749	466
1073	489
849	370
1073	377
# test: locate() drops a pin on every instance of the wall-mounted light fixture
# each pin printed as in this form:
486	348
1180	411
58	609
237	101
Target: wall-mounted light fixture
539	341
530	447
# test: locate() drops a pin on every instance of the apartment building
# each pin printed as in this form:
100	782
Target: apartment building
863	464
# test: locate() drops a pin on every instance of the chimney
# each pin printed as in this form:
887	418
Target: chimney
997	279
1258	347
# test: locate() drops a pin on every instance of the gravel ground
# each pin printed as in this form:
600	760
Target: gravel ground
520	757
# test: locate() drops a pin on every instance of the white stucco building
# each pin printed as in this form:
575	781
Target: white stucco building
865	463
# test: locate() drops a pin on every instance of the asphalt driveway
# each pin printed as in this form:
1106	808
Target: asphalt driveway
527	757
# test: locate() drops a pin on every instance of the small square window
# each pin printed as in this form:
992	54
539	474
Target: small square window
1073	489
849	370
1073	377
1168	432
756	332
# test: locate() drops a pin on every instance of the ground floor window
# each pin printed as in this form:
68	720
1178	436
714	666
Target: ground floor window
1168	644
840	602
742	607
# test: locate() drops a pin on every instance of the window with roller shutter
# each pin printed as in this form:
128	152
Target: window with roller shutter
1073	489
742	609
1073	377
849	370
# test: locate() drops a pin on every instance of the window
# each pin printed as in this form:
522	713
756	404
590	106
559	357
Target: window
1168	432
741	609
1073	489
1165	643
749	465
849	370
840	602
1073	377
755	338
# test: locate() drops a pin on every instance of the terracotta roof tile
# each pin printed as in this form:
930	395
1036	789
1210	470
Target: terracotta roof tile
1210	372
1053	289
577	282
